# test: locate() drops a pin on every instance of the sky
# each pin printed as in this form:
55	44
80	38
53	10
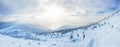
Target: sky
56	14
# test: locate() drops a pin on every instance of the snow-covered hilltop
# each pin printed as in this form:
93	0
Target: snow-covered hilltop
59	23
15	34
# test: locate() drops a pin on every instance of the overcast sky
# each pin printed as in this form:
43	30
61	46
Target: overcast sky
56	14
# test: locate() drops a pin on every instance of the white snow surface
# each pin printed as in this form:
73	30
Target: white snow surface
102	34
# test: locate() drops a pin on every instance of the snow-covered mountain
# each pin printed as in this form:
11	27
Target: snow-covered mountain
26	23
94	35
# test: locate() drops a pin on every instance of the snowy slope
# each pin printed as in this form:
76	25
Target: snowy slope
95	35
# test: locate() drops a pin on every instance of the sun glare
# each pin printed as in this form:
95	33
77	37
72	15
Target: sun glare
53	11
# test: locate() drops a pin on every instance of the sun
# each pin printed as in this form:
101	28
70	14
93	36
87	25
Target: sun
52	13
53	10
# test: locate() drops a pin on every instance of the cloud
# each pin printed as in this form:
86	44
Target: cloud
17	6
57	14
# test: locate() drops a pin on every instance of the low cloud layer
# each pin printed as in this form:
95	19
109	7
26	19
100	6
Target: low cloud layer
56	14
